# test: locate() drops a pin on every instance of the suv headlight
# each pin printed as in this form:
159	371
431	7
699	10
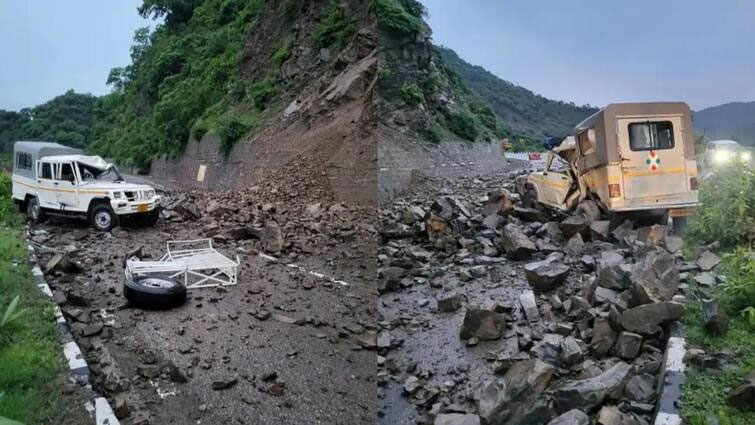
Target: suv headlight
149	194
745	156
117	195
720	156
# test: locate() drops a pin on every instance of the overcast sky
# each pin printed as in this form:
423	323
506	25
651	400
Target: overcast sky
598	51
50	46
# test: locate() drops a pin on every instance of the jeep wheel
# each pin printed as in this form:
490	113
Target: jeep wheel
103	218
154	292
34	211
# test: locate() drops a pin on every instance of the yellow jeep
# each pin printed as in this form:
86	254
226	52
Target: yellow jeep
630	158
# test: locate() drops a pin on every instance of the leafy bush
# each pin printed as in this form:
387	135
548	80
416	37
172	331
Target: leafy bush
739	291
231	128
333	27
9	321
434	134
411	94
8	211
463	125
402	16
261	92
283	52
727	213
384	73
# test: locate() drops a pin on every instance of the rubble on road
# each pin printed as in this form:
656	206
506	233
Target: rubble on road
287	311
540	317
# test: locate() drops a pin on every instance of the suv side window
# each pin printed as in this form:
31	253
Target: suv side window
66	173
46	171
645	136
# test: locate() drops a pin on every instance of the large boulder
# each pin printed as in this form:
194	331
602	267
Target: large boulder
647	318
715	319
655	278
743	396
517	397
572	417
482	324
516	244
573	225
545	275
587	394
628	345
457	419
640	388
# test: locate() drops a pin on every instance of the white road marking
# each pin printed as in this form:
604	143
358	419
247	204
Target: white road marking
667	419
675	354
73	354
103	414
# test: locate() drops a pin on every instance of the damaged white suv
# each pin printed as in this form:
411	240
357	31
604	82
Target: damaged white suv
52	179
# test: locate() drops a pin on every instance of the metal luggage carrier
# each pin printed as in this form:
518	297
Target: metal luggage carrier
200	264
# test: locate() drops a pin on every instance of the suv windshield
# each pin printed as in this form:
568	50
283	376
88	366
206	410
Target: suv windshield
110	174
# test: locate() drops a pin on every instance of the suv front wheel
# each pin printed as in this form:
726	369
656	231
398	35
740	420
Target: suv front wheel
104	218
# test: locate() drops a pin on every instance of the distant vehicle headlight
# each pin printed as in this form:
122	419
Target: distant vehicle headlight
117	195
719	157
745	156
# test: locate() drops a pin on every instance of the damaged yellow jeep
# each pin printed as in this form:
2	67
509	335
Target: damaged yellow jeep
633	159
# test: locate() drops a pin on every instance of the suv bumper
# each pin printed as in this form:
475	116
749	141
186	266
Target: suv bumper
124	207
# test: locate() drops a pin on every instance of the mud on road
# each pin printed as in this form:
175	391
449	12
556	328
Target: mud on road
282	346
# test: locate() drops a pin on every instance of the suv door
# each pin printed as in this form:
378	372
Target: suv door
46	185
67	186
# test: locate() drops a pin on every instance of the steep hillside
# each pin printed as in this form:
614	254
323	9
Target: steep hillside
67	119
429	93
734	120
263	85
518	107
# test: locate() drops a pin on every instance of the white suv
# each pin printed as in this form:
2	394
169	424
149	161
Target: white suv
52	179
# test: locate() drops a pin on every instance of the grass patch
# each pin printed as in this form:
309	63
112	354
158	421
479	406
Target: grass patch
704	393
30	357
411	94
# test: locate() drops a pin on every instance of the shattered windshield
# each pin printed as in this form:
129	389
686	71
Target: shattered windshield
89	173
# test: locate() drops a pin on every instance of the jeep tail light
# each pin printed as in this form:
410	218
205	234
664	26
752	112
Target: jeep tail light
614	191
693	183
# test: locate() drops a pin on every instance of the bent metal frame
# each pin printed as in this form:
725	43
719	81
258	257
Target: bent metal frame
200	264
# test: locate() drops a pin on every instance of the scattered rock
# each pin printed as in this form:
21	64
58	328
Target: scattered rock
224	384
456	419
62	263
628	345
572	417
545	275
645	319
707	261
450	301
603	337
715	319
482	324
743	395
517	396
529	305
589	393
516	244
640	388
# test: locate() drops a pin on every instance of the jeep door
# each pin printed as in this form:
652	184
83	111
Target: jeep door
66	182
46	185
553	185
652	157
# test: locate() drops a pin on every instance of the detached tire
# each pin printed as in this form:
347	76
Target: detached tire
154	293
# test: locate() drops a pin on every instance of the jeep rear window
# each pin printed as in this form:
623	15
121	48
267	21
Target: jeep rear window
23	161
645	136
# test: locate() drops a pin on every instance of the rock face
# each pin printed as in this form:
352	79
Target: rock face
589	393
456	419
482	324
545	275
646	319
516	244
572	417
516	398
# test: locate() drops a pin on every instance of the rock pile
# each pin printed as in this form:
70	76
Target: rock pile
568	312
